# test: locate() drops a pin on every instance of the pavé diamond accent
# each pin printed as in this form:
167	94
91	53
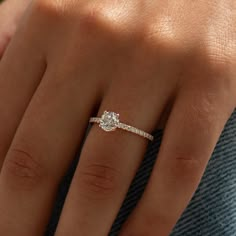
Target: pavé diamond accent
110	121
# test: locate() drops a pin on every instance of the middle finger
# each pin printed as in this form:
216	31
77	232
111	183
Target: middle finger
45	142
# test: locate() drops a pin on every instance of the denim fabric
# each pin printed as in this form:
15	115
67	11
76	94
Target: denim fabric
212	210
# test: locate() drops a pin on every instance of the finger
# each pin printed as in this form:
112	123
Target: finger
21	70
45	143
192	131
10	13
7	27
4	40
108	162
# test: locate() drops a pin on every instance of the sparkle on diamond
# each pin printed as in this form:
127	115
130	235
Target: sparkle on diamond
109	121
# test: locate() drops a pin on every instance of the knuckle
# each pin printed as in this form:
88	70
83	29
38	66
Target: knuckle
162	35
98	180
151	221
187	162
202	112
50	9
219	55
90	17
22	169
218	59
203	108
186	167
222	67
222	82
93	25
95	19
161	39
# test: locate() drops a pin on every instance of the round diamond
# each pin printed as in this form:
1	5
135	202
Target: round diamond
109	121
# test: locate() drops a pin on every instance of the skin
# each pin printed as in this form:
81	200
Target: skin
10	13
160	64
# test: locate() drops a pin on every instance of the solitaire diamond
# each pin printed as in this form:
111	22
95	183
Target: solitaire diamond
109	121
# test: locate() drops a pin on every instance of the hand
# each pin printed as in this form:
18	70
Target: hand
150	61
10	14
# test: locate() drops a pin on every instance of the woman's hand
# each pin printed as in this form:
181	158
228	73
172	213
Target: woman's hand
157	63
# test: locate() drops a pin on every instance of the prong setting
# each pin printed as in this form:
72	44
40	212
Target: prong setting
109	121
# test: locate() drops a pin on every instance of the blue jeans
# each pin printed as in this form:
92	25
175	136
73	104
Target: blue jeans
212	210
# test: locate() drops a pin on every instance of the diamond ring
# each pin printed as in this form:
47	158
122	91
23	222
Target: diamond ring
110	121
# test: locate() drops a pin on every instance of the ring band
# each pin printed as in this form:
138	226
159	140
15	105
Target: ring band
110	121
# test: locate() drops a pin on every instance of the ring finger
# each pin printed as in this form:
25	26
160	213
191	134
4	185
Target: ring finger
109	161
